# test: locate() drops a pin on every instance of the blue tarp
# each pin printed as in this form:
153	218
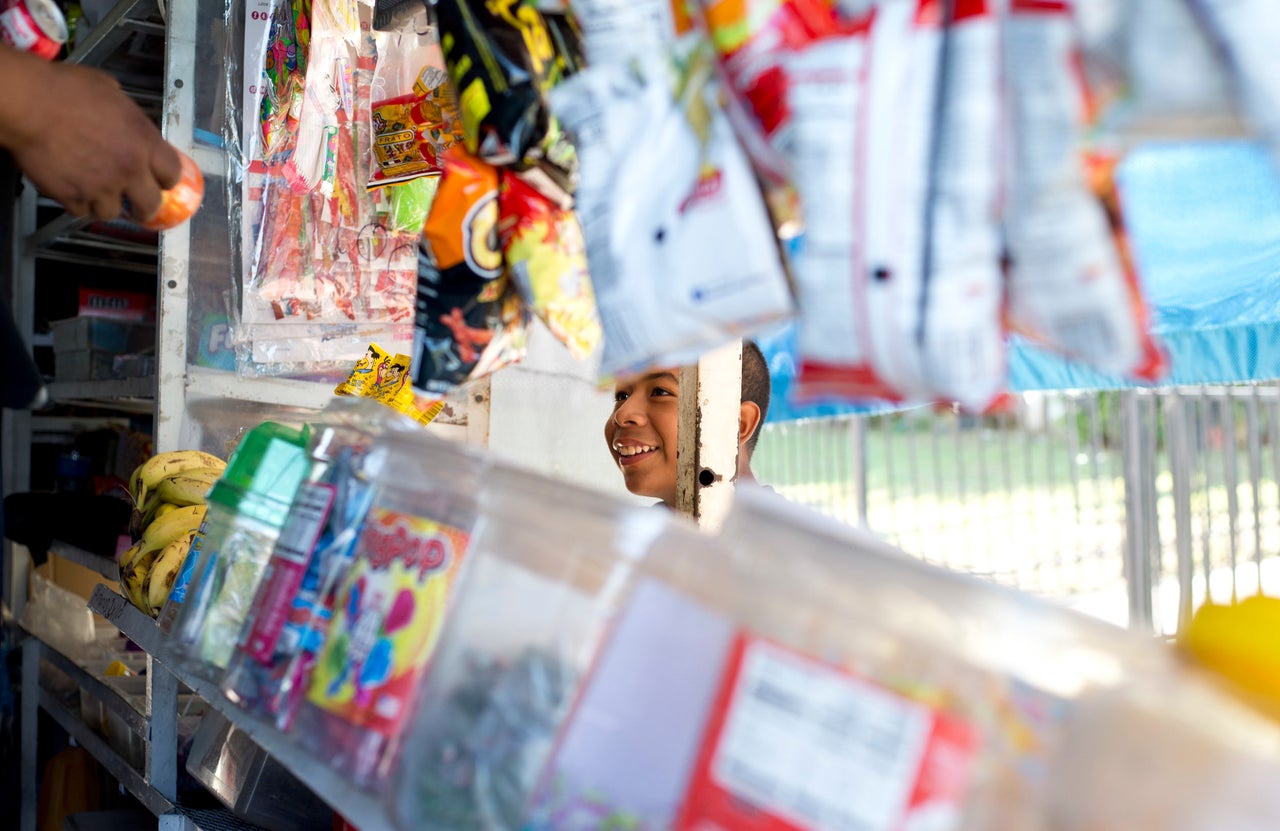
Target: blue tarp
1204	222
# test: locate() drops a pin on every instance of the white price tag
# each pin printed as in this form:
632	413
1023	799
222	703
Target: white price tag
818	748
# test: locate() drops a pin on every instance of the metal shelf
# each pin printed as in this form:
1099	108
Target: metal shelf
285	392
128	776
135	395
101	690
335	789
136	626
95	562
196	819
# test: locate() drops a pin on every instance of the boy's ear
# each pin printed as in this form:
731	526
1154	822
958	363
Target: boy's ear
748	420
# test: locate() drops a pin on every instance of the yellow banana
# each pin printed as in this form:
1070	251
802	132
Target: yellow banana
164	508
174	524
164	570
136	491
186	489
163	465
127	557
133	578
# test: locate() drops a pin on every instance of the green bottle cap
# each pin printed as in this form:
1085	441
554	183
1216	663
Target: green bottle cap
264	473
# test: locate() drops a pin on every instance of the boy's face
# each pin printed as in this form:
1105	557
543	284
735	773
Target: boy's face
641	433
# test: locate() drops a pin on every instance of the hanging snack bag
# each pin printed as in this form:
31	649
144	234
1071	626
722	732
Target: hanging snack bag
503	59
414	112
547	261
615	31
390	606
680	268
895	150
469	320
1068	286
386	378
1248	31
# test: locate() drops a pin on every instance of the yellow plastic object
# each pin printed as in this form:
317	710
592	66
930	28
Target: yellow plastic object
1240	642
117	668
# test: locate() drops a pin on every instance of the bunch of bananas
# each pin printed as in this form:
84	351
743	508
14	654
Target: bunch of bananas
168	493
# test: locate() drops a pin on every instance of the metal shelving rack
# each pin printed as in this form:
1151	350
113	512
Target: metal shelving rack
336	790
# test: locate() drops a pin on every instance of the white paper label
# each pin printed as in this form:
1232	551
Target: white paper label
819	748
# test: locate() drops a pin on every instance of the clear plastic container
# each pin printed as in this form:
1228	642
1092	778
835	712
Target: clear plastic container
390	605
248	507
796	673
316	544
549	567
955	703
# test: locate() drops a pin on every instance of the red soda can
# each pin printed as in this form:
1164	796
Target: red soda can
35	26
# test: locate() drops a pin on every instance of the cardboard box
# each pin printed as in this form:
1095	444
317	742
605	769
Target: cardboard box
75	577
79	333
83	365
119	305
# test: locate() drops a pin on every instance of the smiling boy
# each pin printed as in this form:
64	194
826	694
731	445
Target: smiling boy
641	432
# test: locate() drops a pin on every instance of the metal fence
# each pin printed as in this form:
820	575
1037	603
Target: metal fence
1132	506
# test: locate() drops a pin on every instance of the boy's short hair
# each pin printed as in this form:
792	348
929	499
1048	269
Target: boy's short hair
755	385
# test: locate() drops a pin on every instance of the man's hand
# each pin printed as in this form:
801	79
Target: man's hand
81	140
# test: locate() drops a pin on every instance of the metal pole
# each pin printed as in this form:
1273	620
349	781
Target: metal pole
858	460
1180	468
1231	474
1137	561
172	294
707	441
162	744
30	726
1255	476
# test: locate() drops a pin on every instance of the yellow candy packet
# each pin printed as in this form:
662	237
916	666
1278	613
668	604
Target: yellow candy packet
387	378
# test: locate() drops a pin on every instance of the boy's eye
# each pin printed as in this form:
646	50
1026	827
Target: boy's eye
660	391
619	397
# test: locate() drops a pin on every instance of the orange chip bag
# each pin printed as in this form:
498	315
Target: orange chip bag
468	320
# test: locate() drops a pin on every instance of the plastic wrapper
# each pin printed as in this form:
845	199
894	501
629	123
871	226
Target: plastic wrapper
326	268
546	259
314	548
385	378
1247	33
388	612
847	685
895	149
469	320
411	202
248	509
681	268
1048	719
753	40
397	15
616	31
1068	286
503	58
502	683
414	113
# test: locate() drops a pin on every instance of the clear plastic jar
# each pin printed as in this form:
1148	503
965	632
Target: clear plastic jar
390	606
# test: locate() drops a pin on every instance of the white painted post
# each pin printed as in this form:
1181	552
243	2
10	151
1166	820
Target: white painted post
707	447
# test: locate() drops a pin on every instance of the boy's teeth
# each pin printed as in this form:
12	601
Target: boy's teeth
632	451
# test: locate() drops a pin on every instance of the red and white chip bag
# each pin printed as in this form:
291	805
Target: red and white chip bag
895	148
1071	285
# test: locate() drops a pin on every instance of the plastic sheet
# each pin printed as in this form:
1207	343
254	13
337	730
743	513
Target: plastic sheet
326	268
